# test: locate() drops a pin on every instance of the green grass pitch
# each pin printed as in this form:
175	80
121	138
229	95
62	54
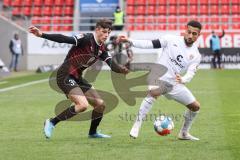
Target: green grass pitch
23	111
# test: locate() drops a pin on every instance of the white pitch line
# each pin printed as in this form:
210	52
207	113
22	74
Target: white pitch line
23	85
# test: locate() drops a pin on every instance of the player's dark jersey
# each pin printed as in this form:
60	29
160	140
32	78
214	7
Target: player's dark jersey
83	54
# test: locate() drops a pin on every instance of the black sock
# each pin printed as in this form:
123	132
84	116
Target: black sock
96	119
66	114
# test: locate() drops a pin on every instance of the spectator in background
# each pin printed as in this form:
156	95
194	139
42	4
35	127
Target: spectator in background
16	49
216	49
118	19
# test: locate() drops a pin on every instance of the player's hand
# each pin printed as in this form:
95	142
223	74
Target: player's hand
121	39
178	78
34	30
124	70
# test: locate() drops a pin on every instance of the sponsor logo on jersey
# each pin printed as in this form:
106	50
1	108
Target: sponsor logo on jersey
178	61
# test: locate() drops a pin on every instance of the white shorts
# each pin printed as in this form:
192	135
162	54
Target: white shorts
179	93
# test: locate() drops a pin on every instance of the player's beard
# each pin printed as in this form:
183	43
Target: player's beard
187	42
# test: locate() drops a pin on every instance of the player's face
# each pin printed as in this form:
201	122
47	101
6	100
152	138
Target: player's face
102	34
191	35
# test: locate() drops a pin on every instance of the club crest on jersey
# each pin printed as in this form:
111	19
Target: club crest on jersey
191	56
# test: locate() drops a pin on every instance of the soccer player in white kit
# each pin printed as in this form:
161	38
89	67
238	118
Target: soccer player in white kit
180	56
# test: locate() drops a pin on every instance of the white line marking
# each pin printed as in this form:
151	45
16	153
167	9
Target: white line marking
23	85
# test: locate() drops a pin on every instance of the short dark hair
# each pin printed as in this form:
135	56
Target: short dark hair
104	23
195	24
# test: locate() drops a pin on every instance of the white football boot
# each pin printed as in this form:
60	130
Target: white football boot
135	129
187	136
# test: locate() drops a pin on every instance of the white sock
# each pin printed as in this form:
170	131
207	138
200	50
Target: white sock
189	116
144	109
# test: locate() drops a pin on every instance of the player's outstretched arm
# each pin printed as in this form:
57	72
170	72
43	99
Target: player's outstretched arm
116	67
145	44
53	37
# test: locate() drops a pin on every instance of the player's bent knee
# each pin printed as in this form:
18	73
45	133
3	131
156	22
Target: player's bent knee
195	106
81	107
99	105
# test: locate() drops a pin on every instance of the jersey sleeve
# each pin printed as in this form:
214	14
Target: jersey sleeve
164	40
192	69
105	56
79	38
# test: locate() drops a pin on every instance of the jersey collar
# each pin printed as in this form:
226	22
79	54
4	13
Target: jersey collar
96	39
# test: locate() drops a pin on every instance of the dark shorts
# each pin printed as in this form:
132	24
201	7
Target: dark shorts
68	82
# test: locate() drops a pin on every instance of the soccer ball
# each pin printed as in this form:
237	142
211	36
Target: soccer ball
163	125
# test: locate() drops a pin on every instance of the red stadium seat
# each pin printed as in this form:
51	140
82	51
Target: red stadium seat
214	18
7	3
214	2
235	9
47	11
174	2
236	18
171	27
36	11
203	18
213	9
184	2
57	20
162	2
182	9
48	2
236	26
151	10
56	28
182	27
58	3
193	2
203	2
161	19
161	10
150	19
140	2
183	19
130	27
130	10
150	27
68	11
203	9
161	27
172	19
16	11
139	19
57	11
235	1
27	2
45	28
225	1
215	26
224	18
17	3
139	27
152	2
225	26
38	2
67	20
130	2
69	2
130	19
140	10
192	17
225	9
46	20
172	9
193	9
35	20
27	11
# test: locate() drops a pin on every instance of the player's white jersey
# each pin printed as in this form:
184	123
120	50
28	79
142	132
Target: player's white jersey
177	57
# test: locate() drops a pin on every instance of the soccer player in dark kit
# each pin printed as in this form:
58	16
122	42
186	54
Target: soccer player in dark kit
86	50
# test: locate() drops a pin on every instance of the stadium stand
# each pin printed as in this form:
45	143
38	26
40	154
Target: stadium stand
214	14
46	14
